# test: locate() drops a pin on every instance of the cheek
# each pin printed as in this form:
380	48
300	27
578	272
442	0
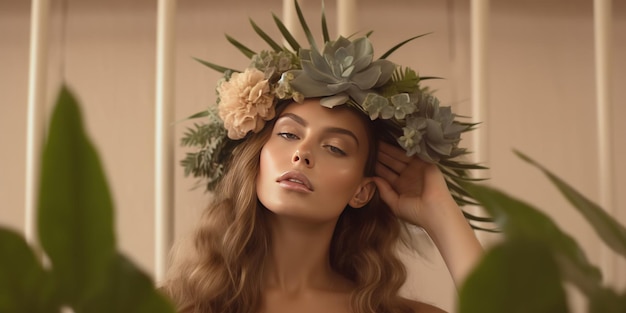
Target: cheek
344	179
269	158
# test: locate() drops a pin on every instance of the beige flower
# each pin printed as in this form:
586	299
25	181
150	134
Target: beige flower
245	103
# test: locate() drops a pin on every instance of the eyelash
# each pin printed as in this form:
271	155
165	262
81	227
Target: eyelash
288	136
331	148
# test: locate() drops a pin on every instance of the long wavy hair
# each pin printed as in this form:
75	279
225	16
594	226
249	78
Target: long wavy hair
221	271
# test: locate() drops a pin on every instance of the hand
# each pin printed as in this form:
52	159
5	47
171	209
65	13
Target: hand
414	189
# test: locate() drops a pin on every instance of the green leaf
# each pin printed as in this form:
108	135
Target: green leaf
396	47
243	49
430	77
305	27
127	289
477	218
216	67
200	114
458	165
607	301
293	43
325	34
24	285
520	220
607	228
75	214
516	276
266	37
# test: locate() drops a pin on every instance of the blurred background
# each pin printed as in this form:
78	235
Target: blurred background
540	99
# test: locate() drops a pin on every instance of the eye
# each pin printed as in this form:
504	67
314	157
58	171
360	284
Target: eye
335	150
288	136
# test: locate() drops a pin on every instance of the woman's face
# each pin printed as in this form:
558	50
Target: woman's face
313	163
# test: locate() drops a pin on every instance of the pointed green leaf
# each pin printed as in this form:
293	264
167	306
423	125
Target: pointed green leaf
458	165
477	218
516	276
24	285
75	214
488	230
199	114
607	301
305	27
396	47
243	49
216	67
276	47
127	289
324	25
520	220
611	232
430	77
461	201
293	43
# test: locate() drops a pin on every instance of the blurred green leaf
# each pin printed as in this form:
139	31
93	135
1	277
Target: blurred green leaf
127	290
607	301
24	285
611	232
521	221
516	276
75	220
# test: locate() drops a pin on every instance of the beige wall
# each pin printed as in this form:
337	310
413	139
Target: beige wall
541	97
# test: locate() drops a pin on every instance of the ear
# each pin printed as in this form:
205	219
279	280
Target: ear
364	193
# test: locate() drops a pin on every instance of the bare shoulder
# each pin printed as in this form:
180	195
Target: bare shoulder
421	307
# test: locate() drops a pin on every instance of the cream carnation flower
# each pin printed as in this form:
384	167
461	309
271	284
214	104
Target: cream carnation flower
245	103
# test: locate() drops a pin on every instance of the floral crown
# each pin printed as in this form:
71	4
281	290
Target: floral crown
344	72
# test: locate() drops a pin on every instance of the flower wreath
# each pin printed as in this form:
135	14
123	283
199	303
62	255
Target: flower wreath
343	73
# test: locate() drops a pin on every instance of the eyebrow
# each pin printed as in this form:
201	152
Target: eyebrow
337	130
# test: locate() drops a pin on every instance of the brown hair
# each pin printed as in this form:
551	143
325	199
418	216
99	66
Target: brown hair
223	272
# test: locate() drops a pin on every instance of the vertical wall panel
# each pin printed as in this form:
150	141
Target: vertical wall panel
164	147
36	110
602	39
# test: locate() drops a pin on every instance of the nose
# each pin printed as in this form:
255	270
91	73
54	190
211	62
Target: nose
304	157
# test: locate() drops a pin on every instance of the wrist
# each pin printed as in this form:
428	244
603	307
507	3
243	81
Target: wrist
442	215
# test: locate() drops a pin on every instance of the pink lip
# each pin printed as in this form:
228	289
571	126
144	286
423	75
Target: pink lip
295	180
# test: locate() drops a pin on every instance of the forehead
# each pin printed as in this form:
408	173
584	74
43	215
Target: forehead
338	117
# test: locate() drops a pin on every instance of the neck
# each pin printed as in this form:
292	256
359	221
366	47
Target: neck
299	255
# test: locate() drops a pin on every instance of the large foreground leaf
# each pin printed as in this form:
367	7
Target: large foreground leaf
128	290
521	221
611	232
75	219
516	276
24	285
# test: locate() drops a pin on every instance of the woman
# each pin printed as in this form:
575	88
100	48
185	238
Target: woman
321	166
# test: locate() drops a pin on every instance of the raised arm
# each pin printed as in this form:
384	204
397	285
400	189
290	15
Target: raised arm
418	194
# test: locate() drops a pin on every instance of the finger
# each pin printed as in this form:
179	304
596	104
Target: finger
386	192
384	172
393	151
392	163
